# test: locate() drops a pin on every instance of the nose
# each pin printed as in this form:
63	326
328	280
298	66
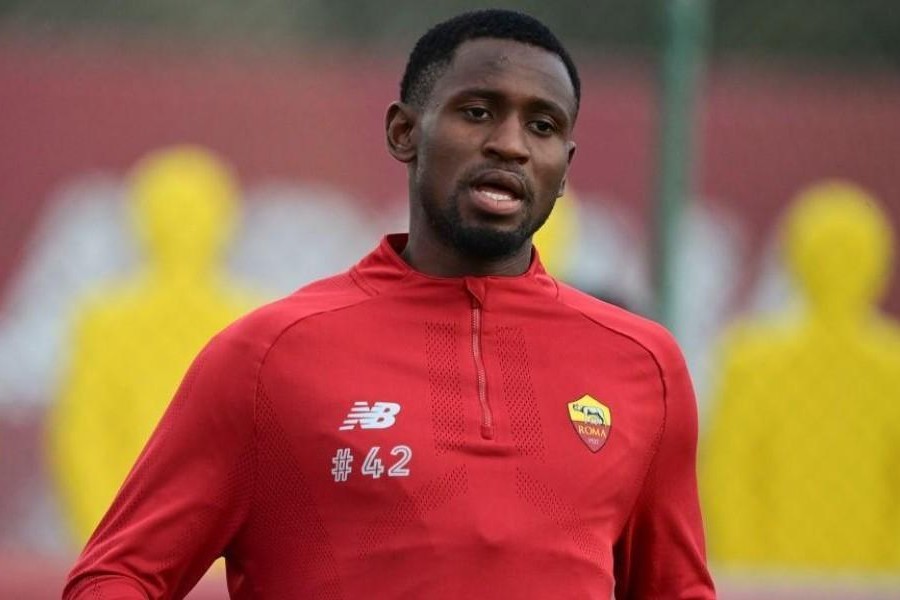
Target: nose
508	141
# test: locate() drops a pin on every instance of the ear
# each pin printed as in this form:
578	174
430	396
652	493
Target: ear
399	123
571	155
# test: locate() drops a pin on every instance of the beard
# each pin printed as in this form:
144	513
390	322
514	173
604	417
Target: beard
481	241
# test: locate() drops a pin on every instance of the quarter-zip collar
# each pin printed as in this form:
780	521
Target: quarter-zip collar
384	268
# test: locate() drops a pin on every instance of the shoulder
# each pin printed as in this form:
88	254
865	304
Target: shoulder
657	341
256	332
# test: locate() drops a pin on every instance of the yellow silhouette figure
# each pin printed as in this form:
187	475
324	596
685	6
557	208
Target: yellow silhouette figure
556	239
801	464
134	340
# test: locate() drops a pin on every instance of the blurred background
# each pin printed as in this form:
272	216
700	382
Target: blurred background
166	166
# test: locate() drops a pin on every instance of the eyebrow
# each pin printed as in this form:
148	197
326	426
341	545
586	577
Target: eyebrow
541	104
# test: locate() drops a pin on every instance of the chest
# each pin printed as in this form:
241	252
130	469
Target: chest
466	421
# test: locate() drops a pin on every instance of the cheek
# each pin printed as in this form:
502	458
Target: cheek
441	159
552	172
451	142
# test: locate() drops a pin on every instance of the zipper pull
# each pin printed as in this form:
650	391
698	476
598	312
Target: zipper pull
477	289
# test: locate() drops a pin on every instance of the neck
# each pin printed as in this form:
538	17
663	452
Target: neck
431	257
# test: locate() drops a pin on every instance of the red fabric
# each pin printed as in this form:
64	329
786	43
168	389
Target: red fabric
502	499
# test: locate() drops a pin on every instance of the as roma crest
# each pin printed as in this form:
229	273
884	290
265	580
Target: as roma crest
592	421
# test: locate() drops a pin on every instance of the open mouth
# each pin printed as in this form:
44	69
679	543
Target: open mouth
495	201
498	192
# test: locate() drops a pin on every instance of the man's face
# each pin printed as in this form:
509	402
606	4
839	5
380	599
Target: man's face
492	147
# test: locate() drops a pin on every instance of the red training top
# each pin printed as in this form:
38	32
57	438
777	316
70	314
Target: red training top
386	434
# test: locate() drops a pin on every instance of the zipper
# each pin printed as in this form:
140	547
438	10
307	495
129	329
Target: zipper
487	418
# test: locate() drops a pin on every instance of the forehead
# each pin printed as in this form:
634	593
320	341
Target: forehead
507	65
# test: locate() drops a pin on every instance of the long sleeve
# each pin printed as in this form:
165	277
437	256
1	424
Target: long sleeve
188	492
661	552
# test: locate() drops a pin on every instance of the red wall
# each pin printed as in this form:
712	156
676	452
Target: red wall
70	106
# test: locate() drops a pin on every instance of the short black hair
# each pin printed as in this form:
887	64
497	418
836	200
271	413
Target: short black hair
434	51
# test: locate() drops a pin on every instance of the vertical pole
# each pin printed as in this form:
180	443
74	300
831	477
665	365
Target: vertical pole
686	24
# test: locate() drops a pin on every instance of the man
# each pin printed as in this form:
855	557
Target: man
415	427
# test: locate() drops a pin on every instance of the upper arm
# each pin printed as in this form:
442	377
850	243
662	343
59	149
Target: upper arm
661	552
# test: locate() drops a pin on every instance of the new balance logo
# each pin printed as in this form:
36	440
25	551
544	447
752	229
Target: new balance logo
380	415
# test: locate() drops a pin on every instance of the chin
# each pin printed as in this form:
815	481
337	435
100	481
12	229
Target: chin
487	242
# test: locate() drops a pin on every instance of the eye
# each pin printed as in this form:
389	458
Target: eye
477	113
543	126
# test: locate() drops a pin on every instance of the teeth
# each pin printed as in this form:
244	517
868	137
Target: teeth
498	196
